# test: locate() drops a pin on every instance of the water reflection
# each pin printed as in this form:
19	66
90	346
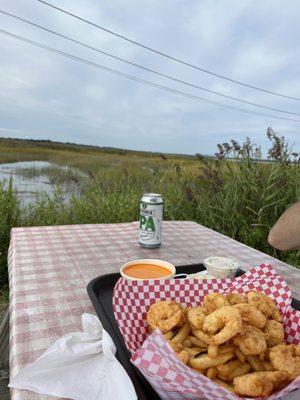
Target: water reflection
33	178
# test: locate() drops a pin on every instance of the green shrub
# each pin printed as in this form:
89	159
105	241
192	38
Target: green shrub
9	217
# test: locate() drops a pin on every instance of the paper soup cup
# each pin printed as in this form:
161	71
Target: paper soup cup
147	263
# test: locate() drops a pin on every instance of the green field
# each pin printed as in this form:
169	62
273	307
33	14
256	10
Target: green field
235	193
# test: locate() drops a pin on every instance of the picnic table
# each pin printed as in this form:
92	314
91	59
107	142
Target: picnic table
50	267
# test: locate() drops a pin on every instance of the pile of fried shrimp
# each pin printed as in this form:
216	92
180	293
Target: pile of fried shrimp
237	340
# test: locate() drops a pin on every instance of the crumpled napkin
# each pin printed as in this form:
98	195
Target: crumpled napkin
79	366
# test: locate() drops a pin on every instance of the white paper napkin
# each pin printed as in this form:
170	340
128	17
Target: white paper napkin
79	366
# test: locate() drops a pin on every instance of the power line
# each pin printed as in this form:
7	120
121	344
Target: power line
166	55
146	68
136	79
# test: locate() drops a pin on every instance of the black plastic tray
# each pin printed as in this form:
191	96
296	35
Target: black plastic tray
100	291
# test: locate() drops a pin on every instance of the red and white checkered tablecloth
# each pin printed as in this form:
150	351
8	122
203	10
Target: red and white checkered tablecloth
50	267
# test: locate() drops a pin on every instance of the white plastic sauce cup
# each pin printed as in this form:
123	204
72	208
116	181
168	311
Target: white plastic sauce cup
221	267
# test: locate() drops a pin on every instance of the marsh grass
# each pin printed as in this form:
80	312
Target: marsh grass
57	174
241	197
9	217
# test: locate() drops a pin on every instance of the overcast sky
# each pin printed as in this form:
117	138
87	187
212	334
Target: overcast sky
47	96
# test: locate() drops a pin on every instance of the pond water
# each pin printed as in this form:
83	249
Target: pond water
33	178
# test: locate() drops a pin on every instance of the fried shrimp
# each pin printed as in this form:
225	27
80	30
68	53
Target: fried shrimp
166	315
226	319
236	298
196	317
260	384
286	357
251	340
251	315
259	300
274	333
276	315
214	301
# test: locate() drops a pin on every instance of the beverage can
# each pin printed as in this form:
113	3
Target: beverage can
151	215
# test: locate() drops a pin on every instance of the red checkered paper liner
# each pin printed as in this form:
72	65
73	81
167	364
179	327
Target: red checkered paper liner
131	299
151	352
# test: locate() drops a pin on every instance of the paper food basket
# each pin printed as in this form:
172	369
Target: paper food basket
152	354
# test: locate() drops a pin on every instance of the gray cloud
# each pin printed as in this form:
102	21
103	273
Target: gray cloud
43	95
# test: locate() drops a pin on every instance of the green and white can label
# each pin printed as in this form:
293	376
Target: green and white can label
151	215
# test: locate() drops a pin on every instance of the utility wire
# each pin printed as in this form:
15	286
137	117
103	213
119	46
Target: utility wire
164	54
146	68
136	79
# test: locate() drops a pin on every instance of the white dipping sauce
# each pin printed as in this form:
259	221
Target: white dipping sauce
221	267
